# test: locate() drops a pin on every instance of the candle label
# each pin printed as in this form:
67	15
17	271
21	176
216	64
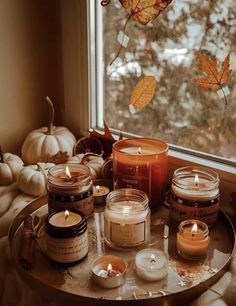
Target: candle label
83	203
206	211
67	250
125	234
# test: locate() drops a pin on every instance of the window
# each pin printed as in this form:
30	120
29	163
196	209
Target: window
181	113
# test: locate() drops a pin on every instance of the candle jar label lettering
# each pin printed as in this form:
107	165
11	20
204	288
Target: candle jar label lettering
67	250
125	234
75	203
208	214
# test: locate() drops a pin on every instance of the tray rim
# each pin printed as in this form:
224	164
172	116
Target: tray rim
53	293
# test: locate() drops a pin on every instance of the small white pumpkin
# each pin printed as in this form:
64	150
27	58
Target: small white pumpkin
7	197
32	179
47	141
93	161
10	166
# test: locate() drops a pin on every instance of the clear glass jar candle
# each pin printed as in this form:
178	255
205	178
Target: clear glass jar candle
126	218
193	239
141	163
194	195
70	187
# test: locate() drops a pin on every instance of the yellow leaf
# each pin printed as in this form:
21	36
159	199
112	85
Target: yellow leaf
143	92
59	158
145	10
215	78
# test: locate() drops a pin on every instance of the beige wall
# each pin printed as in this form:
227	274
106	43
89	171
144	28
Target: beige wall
30	57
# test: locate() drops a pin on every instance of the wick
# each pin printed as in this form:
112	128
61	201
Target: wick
153	259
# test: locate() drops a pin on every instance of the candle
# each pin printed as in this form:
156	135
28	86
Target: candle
126	218
70	187
109	271
194	195
141	163
67	239
151	264
193	239
100	193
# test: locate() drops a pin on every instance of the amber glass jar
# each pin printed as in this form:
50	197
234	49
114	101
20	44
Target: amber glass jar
195	195
70	187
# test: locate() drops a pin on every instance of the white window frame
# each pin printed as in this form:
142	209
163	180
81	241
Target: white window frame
178	157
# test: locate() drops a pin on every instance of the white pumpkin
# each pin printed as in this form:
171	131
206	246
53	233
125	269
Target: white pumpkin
32	179
47	141
93	161
10	166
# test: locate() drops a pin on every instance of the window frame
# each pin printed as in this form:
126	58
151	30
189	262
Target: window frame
178	156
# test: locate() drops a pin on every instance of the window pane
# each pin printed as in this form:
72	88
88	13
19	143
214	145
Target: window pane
181	113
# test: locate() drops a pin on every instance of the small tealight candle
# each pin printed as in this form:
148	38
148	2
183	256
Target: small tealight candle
100	193
109	271
67	240
151	264
193	239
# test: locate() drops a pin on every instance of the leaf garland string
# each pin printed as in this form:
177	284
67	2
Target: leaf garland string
158	6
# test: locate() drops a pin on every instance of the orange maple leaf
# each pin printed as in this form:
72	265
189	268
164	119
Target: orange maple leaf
215	77
145	10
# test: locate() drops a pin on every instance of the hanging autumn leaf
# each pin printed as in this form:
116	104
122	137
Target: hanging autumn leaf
144	11
143	93
215	77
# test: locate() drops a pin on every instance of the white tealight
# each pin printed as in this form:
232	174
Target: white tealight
65	219
151	264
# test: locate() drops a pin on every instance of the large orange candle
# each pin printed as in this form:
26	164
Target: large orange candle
141	163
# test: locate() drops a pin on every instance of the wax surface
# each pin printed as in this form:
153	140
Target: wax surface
58	219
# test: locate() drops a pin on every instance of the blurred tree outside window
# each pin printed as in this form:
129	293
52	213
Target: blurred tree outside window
181	113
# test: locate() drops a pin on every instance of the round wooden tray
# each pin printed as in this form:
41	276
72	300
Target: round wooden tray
73	285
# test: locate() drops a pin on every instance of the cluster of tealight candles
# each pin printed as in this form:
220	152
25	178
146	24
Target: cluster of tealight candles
138	175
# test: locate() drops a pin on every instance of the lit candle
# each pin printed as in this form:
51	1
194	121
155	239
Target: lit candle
100	193
194	195
109	271
67	239
70	187
126	218
151	264
141	163
193	239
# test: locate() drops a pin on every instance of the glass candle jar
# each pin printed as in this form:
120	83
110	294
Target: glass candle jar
67	239
70	187
141	163
193	239
126	218
151	264
194	195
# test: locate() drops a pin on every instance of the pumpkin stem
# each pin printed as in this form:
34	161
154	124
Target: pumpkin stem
1	155
51	116
39	168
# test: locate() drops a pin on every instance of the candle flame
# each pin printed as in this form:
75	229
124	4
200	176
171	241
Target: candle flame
66	214
139	151
98	188
194	228
109	267
68	175
153	258
196	180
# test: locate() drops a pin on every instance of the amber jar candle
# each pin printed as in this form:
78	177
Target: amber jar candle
141	163
195	195
70	187
67	238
